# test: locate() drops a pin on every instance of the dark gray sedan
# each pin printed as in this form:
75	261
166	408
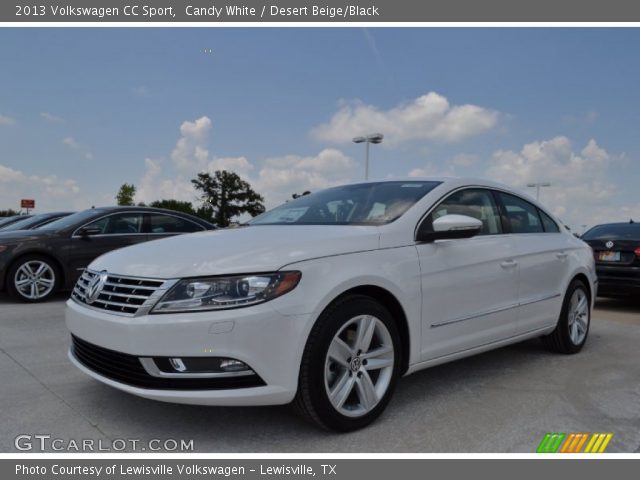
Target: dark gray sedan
34	264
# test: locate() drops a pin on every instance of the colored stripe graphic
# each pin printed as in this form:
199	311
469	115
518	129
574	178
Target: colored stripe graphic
573	442
598	443
551	442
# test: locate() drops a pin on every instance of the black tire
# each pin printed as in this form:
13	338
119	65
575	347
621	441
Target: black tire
312	400
13	270
560	340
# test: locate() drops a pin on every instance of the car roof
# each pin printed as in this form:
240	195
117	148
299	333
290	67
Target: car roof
141	208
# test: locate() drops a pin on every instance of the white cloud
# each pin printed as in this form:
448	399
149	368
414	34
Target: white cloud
275	178
50	191
6	121
280	177
239	165
429	117
74	145
190	152
153	186
51	118
581	191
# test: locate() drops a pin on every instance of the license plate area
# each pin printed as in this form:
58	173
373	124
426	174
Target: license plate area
607	256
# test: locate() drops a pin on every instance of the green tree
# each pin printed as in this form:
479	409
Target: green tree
125	195
225	196
8	213
175	205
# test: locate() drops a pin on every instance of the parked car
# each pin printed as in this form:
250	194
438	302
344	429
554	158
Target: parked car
4	221
33	221
325	301
616	248
34	264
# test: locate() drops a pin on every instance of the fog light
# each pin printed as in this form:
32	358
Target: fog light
178	365
231	365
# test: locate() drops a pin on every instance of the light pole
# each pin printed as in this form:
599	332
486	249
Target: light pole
371	138
537	186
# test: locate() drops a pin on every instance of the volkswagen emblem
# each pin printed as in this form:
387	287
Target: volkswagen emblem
609	244
95	286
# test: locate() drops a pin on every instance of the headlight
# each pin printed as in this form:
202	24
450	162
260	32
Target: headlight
217	293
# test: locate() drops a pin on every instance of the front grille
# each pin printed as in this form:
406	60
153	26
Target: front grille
122	295
127	369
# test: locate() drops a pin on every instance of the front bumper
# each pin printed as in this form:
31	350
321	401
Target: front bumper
269	342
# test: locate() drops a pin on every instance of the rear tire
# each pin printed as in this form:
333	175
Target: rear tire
33	278
350	365
572	329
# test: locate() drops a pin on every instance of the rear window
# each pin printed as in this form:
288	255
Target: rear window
614	231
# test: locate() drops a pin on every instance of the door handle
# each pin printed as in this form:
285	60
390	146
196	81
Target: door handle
562	255
508	264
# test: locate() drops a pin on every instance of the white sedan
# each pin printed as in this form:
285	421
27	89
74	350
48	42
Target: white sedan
325	301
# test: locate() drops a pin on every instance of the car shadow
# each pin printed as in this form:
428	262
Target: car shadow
622	304
5	299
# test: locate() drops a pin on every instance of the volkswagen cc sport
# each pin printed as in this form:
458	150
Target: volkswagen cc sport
325	301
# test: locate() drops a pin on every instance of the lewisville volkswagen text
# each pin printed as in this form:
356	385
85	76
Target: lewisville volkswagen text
326	300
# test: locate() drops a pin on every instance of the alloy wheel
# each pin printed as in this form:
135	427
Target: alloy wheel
578	320
359	365
34	279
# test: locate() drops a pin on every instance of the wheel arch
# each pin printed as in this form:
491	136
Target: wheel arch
389	300
585	280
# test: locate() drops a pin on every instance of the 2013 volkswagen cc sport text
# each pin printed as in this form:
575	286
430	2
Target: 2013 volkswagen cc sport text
325	301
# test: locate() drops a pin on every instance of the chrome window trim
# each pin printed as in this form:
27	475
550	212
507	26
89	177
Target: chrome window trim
73	235
141	212
491	189
447	195
202	229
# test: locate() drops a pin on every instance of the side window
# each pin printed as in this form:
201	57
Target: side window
159	223
476	203
522	216
549	225
120	223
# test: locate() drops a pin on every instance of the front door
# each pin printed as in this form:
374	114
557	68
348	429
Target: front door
469	286
114	231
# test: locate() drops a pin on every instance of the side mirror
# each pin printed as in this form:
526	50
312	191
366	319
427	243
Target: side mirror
88	231
449	227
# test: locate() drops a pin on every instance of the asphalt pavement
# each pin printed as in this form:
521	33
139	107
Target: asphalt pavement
501	401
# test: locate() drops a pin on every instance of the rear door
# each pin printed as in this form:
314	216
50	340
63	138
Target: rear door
542	253
116	230
469	286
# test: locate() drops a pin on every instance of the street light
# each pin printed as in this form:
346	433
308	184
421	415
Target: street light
371	138
537	187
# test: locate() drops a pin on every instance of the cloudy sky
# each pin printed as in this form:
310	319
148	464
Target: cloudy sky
84	110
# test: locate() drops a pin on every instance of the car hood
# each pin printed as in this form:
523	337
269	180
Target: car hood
240	250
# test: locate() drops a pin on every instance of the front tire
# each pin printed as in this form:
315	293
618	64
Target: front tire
572	329
33	278
350	365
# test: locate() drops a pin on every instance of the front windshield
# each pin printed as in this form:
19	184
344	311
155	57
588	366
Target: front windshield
361	204
70	220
